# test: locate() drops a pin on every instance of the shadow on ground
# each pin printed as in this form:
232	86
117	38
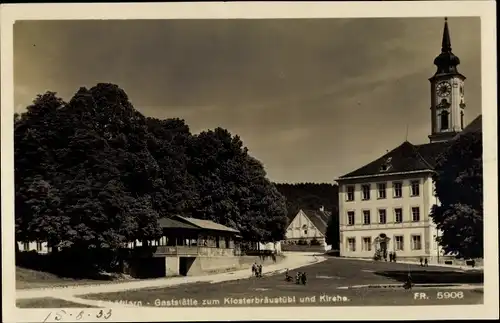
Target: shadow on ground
436	277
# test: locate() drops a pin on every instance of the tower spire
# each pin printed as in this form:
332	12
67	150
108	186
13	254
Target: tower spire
446	44
446	61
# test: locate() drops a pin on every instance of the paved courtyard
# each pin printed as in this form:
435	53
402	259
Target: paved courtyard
334	282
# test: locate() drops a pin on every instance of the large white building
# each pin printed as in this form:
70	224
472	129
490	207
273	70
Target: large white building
386	203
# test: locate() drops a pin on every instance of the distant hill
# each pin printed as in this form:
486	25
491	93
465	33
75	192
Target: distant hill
309	196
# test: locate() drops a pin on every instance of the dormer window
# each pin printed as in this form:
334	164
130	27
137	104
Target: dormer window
386	165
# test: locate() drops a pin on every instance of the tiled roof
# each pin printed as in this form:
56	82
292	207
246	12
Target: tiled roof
318	218
404	158
169	223
408	157
207	224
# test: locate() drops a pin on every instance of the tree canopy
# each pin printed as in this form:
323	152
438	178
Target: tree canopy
459	188
94	173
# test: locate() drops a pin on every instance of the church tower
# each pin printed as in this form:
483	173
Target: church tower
447	93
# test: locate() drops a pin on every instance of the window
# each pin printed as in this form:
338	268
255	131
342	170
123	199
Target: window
416	243
415	214
366	191
398	189
350	193
461	119
398	243
367	244
381	190
350	218
415	188
444	120
398	215
305	232
366	217
38	246
351	244
382	216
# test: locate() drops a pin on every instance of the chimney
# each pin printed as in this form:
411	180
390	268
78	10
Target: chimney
322	208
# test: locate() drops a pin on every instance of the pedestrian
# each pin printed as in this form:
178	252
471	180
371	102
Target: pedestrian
394	255
421	262
297	277
260	270
391	257
408	283
254	268
426	262
303	278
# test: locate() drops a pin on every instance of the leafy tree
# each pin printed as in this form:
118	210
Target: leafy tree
82	169
232	187
459	187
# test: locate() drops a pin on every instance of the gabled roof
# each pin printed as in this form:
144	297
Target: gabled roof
206	224
318	218
169	223
410	158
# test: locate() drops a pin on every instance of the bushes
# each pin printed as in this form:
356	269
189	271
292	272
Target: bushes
315	242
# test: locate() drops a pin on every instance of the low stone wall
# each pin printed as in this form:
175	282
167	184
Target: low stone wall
204	265
303	248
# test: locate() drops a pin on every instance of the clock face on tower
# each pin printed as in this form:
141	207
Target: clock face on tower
443	89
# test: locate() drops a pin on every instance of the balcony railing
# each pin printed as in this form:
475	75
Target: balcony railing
158	251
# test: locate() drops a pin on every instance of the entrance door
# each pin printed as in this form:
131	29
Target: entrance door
185	264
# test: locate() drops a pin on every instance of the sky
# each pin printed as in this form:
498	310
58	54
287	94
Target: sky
312	99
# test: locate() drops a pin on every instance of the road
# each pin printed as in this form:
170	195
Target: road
332	282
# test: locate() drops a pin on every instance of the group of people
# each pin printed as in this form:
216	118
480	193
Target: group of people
300	277
392	256
256	270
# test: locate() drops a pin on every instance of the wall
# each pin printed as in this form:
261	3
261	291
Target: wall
424	201
215	252
406	232
304	248
172	266
207	265
216	264
271	246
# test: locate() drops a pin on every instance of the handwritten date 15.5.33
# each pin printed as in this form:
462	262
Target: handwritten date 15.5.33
77	315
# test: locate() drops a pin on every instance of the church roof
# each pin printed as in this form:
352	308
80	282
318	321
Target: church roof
408	157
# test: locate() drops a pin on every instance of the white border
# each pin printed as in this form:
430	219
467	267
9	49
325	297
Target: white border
248	10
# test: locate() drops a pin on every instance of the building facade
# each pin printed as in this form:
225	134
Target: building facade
385	205
307	231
